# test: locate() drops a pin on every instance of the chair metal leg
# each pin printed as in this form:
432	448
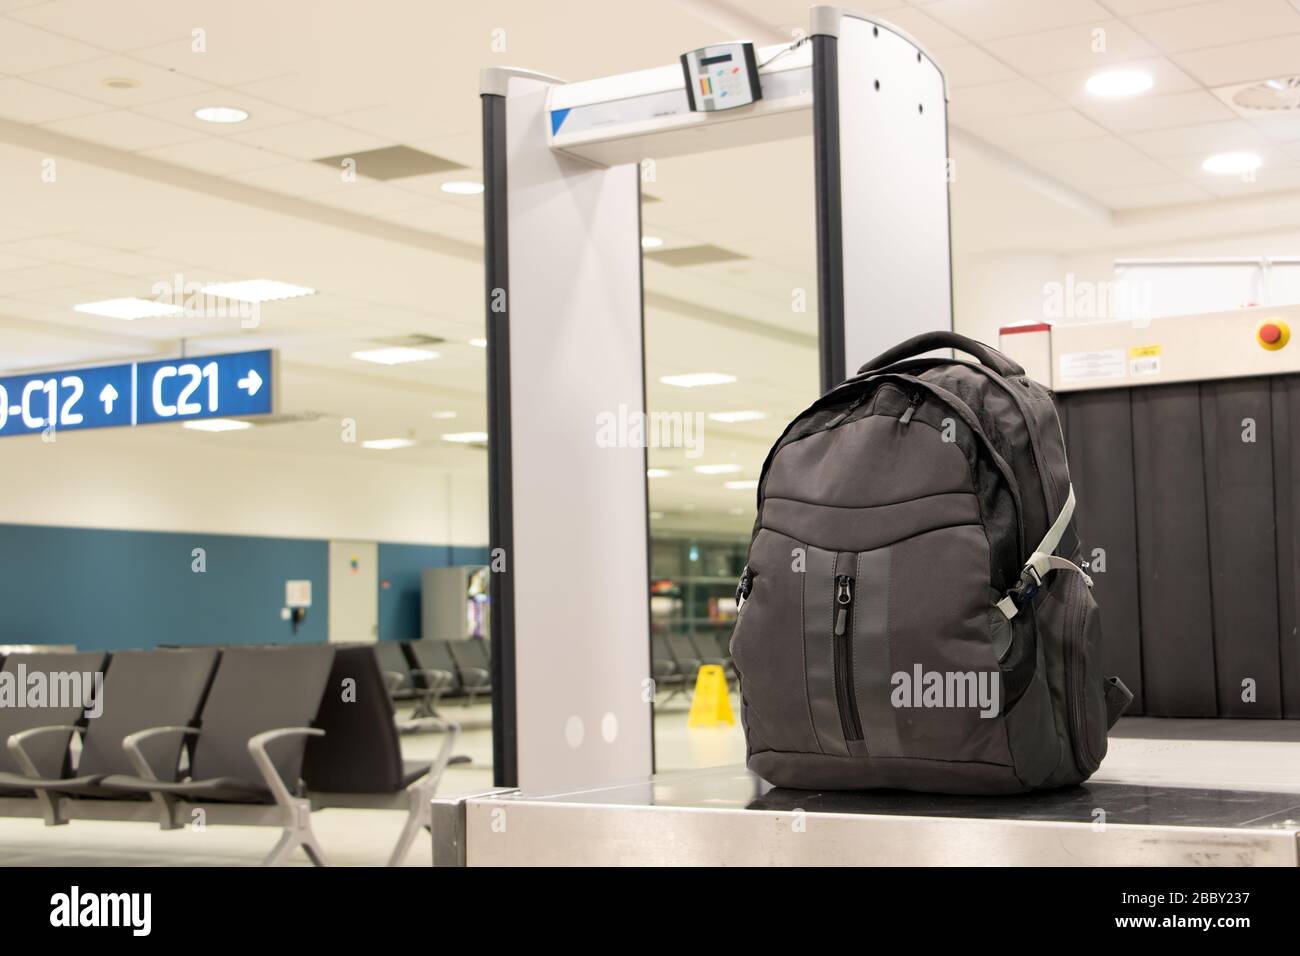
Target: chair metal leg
297	833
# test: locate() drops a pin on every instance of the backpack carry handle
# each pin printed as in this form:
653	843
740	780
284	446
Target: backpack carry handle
928	341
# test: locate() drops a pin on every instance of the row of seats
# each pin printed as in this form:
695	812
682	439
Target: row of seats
677	657
250	735
429	670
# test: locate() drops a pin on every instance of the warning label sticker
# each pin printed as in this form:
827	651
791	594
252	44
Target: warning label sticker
1086	366
1144	360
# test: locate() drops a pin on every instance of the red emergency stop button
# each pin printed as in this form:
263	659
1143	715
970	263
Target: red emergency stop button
1273	334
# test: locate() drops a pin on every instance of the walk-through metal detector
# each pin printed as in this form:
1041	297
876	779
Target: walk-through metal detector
568	520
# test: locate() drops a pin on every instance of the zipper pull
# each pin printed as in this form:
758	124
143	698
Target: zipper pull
743	588
843	598
913	402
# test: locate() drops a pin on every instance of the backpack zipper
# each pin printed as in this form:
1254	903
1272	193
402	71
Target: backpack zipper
849	720
913	403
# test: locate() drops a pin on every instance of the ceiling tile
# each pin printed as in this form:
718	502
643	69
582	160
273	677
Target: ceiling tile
401	121
1128	8
1283	128
219	156
924	29
87	79
1140	197
371	200
1275	159
1218	24
1107	161
1015	132
1203	139
1095	45
250	57
987	19
1243	62
309	139
122	129
1000	99
27	48
293	179
26	102
261	114
17	262
130	264
970	66
1158	112
120	25
52	249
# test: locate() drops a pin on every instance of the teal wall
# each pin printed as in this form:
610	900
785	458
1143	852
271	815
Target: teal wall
108	590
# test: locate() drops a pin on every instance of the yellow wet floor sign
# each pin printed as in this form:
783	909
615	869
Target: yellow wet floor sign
711	705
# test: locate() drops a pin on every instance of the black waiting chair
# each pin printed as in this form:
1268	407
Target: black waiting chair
38	738
249	749
474	665
358	762
142	689
666	673
396	669
686	655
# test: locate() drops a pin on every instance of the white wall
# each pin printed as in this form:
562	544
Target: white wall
996	289
168	481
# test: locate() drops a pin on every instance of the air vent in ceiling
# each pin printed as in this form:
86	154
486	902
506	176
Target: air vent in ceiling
694	255
1270	96
412	341
393	162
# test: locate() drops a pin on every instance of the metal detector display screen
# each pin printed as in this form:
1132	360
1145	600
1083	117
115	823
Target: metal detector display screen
721	77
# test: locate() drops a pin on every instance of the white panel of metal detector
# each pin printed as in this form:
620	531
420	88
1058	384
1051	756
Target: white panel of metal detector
894	183
579	560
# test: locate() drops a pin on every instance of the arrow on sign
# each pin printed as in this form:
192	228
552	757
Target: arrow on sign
251	383
108	395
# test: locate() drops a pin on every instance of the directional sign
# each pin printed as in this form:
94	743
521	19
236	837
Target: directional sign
208	386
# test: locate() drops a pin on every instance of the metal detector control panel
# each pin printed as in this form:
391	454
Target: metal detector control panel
721	77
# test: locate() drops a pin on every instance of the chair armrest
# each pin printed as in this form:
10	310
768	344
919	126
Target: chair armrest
436	679
270	776
131	746
479	675
20	755
392	681
428	784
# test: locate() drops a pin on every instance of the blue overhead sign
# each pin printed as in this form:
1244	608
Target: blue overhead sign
239	384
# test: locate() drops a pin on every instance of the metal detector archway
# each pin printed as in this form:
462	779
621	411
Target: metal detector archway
571	673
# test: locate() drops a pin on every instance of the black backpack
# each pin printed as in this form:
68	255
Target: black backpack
913	613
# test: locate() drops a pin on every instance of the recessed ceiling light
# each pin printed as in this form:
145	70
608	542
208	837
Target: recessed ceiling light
458	187
657	472
129	308
221	114
466	438
444	414
651	242
1228	164
716	469
396	355
478	343
120	82
218	425
748	484
696	379
388	444
749	415
656	516
1115	83
256	290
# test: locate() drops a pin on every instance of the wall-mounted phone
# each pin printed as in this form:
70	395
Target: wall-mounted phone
297	598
